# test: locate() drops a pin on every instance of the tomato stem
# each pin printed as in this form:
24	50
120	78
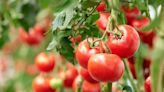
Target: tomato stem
107	87
129	76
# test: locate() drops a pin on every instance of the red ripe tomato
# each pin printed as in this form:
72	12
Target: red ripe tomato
146	37
84	51
131	13
90	87
127	45
102	21
101	7
40	30
44	62
105	67
69	75
31	38
132	69
41	84
147	84
85	74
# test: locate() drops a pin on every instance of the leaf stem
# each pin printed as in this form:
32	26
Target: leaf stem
130	77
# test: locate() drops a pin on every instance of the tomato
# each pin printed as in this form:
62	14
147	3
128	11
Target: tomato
85	74
44	62
131	13
40	30
84	51
102	21
127	45
105	67
76	39
101	7
90	87
132	69
146	37
31	38
69	75
41	84
147	85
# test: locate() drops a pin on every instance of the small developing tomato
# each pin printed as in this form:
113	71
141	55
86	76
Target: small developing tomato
147	85
69	75
105	67
102	21
84	51
127	44
85	74
44	62
41	84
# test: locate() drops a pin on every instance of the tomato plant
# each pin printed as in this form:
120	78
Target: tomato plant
81	45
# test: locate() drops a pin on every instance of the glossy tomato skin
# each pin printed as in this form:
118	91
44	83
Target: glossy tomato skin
147	85
146	37
101	7
127	45
41	84
131	13
85	74
44	62
84	51
90	87
102	21
69	75
106	67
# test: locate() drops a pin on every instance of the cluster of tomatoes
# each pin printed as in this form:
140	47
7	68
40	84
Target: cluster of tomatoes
99	61
137	21
34	36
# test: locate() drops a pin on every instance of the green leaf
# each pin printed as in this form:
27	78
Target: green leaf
127	89
92	19
62	44
66	50
63	18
